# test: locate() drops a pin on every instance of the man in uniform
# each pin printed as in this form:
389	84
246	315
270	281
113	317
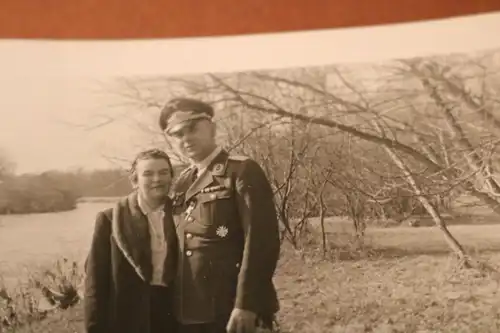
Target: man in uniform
227	227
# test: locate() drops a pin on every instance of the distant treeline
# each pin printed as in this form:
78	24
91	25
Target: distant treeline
55	191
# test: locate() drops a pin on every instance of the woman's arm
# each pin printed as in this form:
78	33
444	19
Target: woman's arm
97	278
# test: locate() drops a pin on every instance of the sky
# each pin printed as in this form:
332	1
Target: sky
45	124
50	89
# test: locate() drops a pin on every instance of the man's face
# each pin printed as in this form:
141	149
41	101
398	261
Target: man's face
195	140
153	178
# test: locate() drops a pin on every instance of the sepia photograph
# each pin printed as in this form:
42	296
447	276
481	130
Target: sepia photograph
343	180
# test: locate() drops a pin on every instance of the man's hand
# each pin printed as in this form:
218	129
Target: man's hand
241	321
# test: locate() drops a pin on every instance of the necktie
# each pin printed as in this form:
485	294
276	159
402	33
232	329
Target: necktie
195	174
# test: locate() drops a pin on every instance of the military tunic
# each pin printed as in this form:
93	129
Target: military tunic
229	241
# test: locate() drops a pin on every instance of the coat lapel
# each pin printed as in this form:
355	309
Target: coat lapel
131	233
215	168
199	184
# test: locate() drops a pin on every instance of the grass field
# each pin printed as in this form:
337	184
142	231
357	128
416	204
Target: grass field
408	285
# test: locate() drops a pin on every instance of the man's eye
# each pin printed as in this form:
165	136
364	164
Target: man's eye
191	127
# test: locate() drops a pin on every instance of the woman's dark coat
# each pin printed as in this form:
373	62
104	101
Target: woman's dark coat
118	269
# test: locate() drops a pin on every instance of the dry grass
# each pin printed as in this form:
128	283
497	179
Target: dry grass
423	240
411	294
412	286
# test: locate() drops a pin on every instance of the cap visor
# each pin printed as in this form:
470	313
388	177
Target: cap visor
176	126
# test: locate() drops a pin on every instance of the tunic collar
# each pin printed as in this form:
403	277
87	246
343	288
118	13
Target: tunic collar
201	166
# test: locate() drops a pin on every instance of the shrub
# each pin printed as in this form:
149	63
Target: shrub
51	289
34	194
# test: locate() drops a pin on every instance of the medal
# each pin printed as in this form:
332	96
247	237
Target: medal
190	208
177	199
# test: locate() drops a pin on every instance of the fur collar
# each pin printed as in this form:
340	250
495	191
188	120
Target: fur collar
130	230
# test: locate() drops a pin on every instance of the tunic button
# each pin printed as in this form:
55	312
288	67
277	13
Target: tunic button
189	236
213	196
189	253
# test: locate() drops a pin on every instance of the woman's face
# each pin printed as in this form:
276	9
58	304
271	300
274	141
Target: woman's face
153	178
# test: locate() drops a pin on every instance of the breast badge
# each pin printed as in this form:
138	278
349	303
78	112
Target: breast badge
218	167
222	231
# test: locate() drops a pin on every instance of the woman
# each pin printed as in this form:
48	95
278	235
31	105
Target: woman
133	256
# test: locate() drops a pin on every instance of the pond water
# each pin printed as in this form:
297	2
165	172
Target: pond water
32	240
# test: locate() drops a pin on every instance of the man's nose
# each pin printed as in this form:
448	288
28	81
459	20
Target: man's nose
188	143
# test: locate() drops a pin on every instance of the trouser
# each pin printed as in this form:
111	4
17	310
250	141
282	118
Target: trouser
162	318
219	326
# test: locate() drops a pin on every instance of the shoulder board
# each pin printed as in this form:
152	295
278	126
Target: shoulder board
238	157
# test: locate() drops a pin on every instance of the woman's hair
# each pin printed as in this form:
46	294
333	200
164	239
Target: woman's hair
150	154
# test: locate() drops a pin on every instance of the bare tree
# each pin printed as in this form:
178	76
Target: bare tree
408	150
